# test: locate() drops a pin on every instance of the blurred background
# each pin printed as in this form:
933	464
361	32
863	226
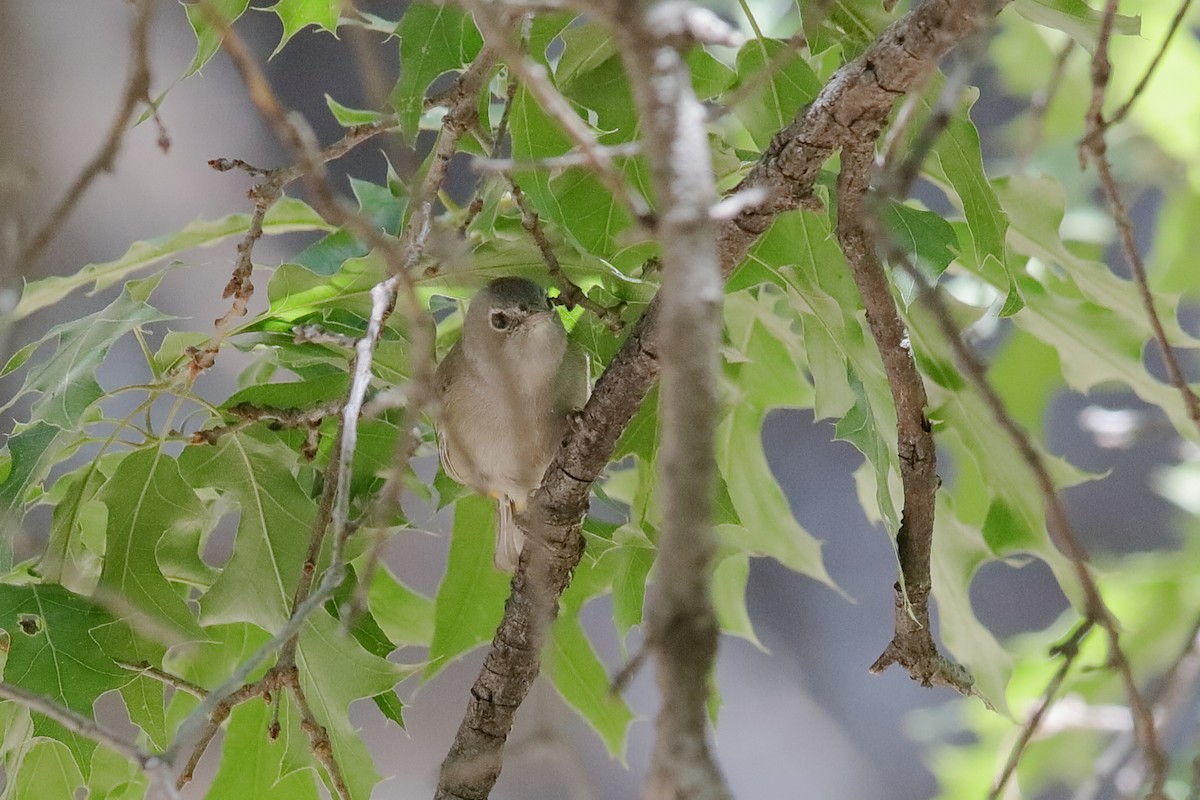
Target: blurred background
801	715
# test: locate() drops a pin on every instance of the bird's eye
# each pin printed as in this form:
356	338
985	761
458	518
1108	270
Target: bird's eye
499	320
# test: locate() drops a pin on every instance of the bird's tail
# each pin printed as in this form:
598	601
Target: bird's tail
509	537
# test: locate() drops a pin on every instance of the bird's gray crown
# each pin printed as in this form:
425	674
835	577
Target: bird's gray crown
514	293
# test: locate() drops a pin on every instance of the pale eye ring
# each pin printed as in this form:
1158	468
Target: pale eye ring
499	320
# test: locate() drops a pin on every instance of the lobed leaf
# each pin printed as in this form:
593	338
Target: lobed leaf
287	215
470	598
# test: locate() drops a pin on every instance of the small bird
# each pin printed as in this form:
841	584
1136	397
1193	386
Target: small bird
508	389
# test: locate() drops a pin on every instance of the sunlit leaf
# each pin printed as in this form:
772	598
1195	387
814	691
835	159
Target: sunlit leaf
66	381
1075	18
287	215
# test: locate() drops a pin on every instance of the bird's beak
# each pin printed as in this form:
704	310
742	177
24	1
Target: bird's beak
540	316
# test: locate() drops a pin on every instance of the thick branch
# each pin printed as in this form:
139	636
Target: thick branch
846	111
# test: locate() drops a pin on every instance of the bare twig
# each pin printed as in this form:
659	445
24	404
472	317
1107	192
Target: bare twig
1059	526
318	736
77	723
162	676
1095	147
265	194
571	294
1069	650
137	91
1169	700
572	158
912	646
1176	21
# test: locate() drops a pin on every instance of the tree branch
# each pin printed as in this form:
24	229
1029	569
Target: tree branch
847	110
912	646
682	621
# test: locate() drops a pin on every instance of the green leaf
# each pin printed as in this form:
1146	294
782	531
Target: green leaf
275	520
252	765
349	117
293	395
629	584
287	215
768	379
772	104
47	772
375	202
434	39
296	15
924	234
66	381
208	34
470	598
334	672
710	76
729	597
586	46
582	681
576	202
30	451
147	499
1075	18
52	652
77	529
406	617
115	777
959	554
957	164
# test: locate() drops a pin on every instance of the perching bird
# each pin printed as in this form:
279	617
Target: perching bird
508	389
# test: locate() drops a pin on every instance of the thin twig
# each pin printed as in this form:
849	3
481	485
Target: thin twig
137	90
265	194
77	723
1095	147
496	28
1057	522
318	737
571	294
682	619
1121	112
162	676
571	158
1069	650
1169	700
